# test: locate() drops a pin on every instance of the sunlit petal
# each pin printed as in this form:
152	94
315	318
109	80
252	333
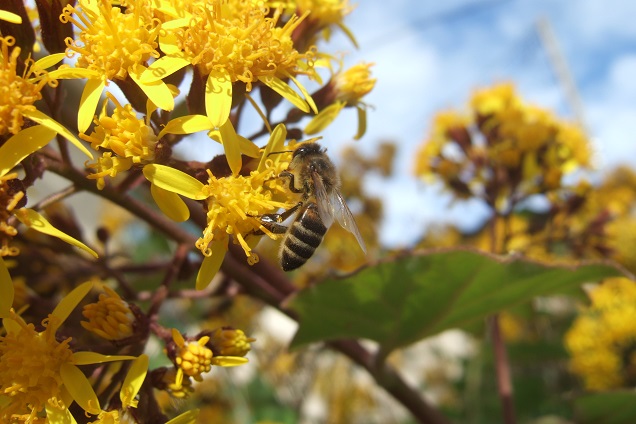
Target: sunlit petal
21	145
175	181
58	415
74	73
211	264
324	118
188	417
231	146
304	92
286	91
86	358
48	61
11	326
50	123
162	68
68	303
187	125
170	204
362	122
10	17
37	222
80	388
275	144
230	361
157	91
133	381
218	97
88	103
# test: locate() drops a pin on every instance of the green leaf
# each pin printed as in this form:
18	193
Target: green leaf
606	408
407	299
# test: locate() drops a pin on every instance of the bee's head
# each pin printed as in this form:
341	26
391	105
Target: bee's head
307	149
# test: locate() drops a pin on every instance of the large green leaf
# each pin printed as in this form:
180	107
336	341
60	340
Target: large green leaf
400	301
606	408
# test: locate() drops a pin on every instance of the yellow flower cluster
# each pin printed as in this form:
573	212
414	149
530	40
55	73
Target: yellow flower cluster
112	42
110	317
19	89
503	151
235	203
602	339
132	141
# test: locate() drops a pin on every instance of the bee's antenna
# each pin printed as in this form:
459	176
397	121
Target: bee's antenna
280	152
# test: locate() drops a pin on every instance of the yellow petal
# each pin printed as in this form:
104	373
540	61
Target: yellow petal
74	73
188	417
50	123
133	381
305	93
211	264
362	123
7	290
218	97
11	326
248	148
170	204
324	118
22	144
48	61
187	125
231	146
169	42
274	144
157	91
68	303
229	361
56	415
176	23
88	103
10	17
286	91
175	181
178	337
349	34
87	358
163	67
80	388
37	222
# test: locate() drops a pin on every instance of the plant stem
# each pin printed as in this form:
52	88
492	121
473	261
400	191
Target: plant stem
502	364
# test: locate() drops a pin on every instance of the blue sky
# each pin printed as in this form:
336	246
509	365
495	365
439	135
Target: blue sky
431	56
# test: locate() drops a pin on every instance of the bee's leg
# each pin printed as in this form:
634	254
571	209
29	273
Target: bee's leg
272	221
292	186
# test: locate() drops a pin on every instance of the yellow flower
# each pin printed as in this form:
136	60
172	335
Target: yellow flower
38	372
504	151
132	140
323	14
345	89
234	203
193	358
112	45
601	340
230	42
227	341
110	317
18	93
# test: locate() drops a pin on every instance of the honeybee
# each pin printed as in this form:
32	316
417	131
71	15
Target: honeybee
313	174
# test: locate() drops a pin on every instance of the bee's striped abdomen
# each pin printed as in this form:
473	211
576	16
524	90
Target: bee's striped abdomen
304	236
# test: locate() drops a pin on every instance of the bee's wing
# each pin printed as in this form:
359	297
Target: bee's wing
345	217
325	208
